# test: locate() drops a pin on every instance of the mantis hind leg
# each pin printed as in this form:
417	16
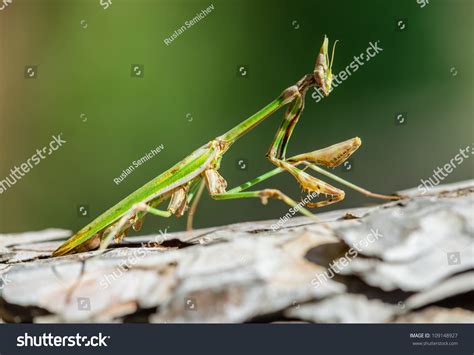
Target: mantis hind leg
119	228
179	200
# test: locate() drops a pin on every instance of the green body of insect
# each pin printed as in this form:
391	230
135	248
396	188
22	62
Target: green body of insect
184	182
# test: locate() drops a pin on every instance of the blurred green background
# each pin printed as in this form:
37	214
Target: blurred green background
191	92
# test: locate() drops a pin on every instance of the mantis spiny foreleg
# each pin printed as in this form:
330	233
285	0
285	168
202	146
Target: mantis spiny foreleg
277	151
331	156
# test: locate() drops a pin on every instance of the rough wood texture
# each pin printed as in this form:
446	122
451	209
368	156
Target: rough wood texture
411	261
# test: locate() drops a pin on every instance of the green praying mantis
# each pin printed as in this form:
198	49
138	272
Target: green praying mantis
184	182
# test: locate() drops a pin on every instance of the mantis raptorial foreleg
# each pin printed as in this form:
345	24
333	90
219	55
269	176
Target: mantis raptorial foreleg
276	153
331	156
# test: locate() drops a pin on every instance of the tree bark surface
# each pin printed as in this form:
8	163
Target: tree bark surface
405	261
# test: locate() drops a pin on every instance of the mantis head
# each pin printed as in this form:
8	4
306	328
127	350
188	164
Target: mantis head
323	69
